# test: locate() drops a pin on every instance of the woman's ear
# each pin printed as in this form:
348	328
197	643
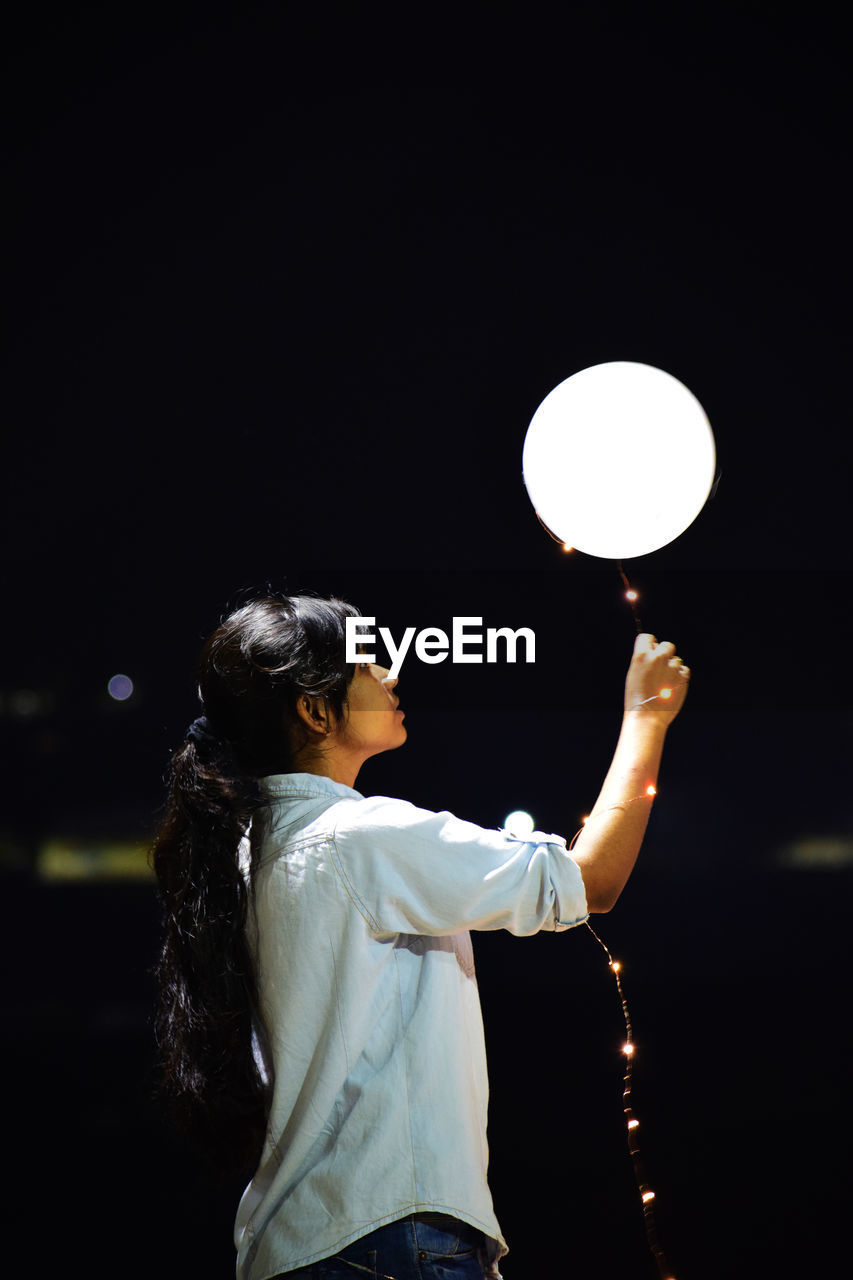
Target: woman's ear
314	712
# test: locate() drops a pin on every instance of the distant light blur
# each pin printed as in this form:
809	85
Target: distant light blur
79	859
120	688
519	824
25	702
818	851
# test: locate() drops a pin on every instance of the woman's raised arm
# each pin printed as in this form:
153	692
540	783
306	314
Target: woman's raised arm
607	847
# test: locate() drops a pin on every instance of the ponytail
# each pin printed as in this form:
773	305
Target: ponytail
251	672
207	987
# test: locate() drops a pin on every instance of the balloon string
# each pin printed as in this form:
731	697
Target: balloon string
631	595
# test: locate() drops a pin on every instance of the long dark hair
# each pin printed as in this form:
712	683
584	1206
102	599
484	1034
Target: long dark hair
251	672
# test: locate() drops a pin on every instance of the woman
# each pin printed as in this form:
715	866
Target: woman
319	1017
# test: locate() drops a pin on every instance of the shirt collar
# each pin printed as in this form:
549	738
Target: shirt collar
306	784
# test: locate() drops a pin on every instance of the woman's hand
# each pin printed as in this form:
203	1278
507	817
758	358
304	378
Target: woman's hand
656	684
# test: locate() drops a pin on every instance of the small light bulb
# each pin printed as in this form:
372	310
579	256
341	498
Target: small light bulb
651	790
647	1196
633	1124
631	595
615	966
628	1049
666	693
567	547
585	819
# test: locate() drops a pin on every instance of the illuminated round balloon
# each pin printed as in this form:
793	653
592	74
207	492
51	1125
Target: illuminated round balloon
619	459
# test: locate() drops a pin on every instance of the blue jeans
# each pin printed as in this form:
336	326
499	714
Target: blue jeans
425	1246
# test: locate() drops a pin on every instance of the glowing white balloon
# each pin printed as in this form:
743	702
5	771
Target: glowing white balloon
619	459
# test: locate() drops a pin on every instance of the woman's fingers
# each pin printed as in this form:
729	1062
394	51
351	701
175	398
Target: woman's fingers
648	643
657	678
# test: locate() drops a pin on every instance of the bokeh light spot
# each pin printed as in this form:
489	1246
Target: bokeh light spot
120	687
519	824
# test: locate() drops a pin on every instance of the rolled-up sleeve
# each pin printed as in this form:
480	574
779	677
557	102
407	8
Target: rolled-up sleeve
409	870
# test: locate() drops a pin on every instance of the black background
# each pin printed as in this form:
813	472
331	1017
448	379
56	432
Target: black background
285	284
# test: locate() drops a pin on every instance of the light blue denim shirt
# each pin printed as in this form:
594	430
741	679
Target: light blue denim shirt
372	1029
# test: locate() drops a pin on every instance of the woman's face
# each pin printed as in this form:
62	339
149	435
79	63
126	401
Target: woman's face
374	722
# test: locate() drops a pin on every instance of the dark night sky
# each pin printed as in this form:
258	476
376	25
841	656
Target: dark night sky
285	284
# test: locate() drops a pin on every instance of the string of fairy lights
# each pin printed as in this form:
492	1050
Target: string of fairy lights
647	1195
